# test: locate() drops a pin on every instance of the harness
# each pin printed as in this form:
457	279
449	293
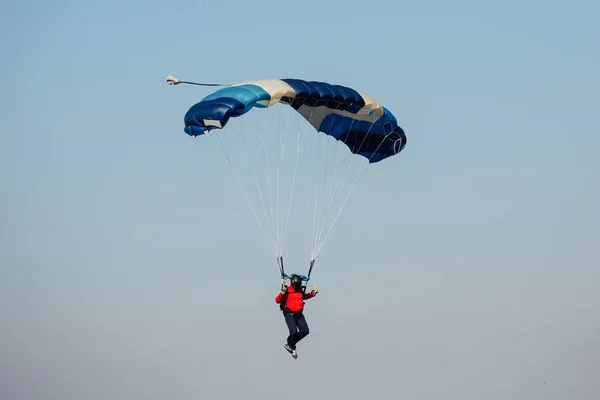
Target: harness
285	276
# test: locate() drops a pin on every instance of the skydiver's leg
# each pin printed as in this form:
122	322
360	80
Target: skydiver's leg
292	327
302	330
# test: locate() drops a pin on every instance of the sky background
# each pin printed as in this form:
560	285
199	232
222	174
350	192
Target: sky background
465	268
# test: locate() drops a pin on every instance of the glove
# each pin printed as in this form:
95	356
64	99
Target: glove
283	287
314	293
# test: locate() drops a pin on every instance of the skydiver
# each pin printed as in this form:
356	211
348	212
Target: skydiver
291	302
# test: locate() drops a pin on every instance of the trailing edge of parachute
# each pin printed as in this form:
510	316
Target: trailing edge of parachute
359	121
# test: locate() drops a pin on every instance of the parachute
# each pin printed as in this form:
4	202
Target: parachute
340	116
359	121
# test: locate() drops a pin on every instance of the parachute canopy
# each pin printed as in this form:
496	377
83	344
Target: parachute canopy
357	120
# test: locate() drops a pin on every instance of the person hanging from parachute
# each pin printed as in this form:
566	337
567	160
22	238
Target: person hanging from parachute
365	127
291	302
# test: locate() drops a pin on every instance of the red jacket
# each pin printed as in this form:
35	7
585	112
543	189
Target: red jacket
295	300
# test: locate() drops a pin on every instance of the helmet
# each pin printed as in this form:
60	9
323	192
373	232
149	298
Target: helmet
296	282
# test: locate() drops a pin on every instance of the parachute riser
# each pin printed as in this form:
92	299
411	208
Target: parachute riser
312	263
281	270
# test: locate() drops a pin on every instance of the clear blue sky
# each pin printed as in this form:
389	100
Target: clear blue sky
465	268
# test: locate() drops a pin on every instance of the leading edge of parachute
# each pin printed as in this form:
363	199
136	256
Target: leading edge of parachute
365	126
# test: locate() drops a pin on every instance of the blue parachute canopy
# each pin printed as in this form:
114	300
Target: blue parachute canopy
357	120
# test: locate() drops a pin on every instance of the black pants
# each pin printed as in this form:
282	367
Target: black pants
297	326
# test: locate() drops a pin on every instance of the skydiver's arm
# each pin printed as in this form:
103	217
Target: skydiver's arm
279	298
309	295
